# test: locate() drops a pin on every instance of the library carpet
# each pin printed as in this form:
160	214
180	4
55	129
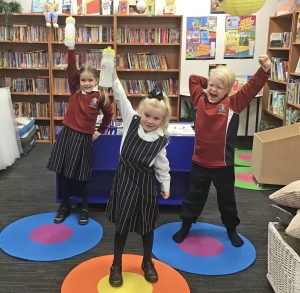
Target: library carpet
37	238
93	274
244	179
242	157
207	250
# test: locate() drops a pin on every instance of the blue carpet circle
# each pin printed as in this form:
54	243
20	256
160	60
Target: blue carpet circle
230	261
15	238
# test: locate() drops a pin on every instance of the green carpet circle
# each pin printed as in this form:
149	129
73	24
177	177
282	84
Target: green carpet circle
244	179
242	157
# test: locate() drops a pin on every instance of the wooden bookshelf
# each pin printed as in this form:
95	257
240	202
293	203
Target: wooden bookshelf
50	45
279	24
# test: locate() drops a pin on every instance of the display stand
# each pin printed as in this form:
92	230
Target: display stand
105	161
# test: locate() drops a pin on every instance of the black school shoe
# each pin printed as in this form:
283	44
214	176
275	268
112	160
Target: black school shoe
83	217
115	277
62	214
150	272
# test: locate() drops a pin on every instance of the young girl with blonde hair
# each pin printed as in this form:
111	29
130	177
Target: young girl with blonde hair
132	204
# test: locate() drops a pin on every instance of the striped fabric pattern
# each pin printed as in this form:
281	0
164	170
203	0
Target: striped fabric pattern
132	204
72	154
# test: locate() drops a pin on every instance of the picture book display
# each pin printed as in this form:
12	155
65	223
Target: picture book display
239	36
201	37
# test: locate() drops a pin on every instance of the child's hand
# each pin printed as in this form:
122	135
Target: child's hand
165	194
96	135
265	62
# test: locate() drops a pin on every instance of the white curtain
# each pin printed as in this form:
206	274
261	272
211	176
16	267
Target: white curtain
9	136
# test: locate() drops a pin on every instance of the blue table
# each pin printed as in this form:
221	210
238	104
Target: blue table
105	160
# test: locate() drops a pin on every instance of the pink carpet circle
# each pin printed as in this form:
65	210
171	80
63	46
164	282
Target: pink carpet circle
245	157
201	245
51	233
246	177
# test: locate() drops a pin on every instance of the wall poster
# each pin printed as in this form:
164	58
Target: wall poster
201	37
239	36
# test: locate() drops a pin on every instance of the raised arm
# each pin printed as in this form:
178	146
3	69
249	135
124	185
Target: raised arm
73	77
242	98
122	102
197	84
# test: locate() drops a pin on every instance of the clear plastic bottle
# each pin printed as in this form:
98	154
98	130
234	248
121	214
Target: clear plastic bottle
70	32
107	68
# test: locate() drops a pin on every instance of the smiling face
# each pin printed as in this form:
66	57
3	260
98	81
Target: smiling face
151	118
216	90
87	81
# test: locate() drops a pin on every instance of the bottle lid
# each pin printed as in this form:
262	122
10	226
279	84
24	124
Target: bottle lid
70	18
109	50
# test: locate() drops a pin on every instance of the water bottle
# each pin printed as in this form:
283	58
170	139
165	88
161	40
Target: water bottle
70	32
107	68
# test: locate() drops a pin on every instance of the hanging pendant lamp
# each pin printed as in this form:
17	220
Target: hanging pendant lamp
241	7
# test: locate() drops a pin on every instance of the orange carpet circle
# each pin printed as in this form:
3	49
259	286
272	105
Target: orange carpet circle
92	276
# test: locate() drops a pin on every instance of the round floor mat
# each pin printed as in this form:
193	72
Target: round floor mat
92	276
207	250
243	157
37	238
245	180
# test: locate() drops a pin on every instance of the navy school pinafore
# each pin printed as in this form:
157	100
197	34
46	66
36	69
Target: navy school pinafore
132	203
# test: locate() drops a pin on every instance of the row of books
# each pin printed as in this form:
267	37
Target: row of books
36	59
93	58
293	95
88	33
282	40
61	85
276	100
26	109
279	68
148	35
144	60
61	109
40	84
43	132
292	116
133	86
23	33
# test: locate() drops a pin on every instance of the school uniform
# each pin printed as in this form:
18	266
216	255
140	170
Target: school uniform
73	150
132	203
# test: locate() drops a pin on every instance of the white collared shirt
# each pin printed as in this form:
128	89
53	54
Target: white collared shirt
161	163
95	89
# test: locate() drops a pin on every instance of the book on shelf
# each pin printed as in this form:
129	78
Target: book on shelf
150	7
66	6
106	7
280	40
292	116
169	7
93	7
123	8
37	6
297	70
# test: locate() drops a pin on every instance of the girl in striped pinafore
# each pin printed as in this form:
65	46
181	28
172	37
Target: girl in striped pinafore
132	204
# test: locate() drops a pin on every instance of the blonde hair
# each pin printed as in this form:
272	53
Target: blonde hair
94	71
163	104
225	74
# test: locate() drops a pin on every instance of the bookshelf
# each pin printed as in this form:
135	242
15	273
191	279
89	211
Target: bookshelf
280	24
159	35
20	69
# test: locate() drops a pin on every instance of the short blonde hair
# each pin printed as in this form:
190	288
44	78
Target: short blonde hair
164	105
225	74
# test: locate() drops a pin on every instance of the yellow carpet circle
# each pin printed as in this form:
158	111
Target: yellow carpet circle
132	283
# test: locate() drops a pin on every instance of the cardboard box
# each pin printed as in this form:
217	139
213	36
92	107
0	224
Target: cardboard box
276	155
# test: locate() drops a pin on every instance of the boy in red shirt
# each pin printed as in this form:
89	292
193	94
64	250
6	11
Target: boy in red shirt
216	126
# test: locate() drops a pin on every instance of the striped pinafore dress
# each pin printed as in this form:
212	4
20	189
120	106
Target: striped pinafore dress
132	203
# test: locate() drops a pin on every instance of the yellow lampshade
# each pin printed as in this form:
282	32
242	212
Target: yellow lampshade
241	7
